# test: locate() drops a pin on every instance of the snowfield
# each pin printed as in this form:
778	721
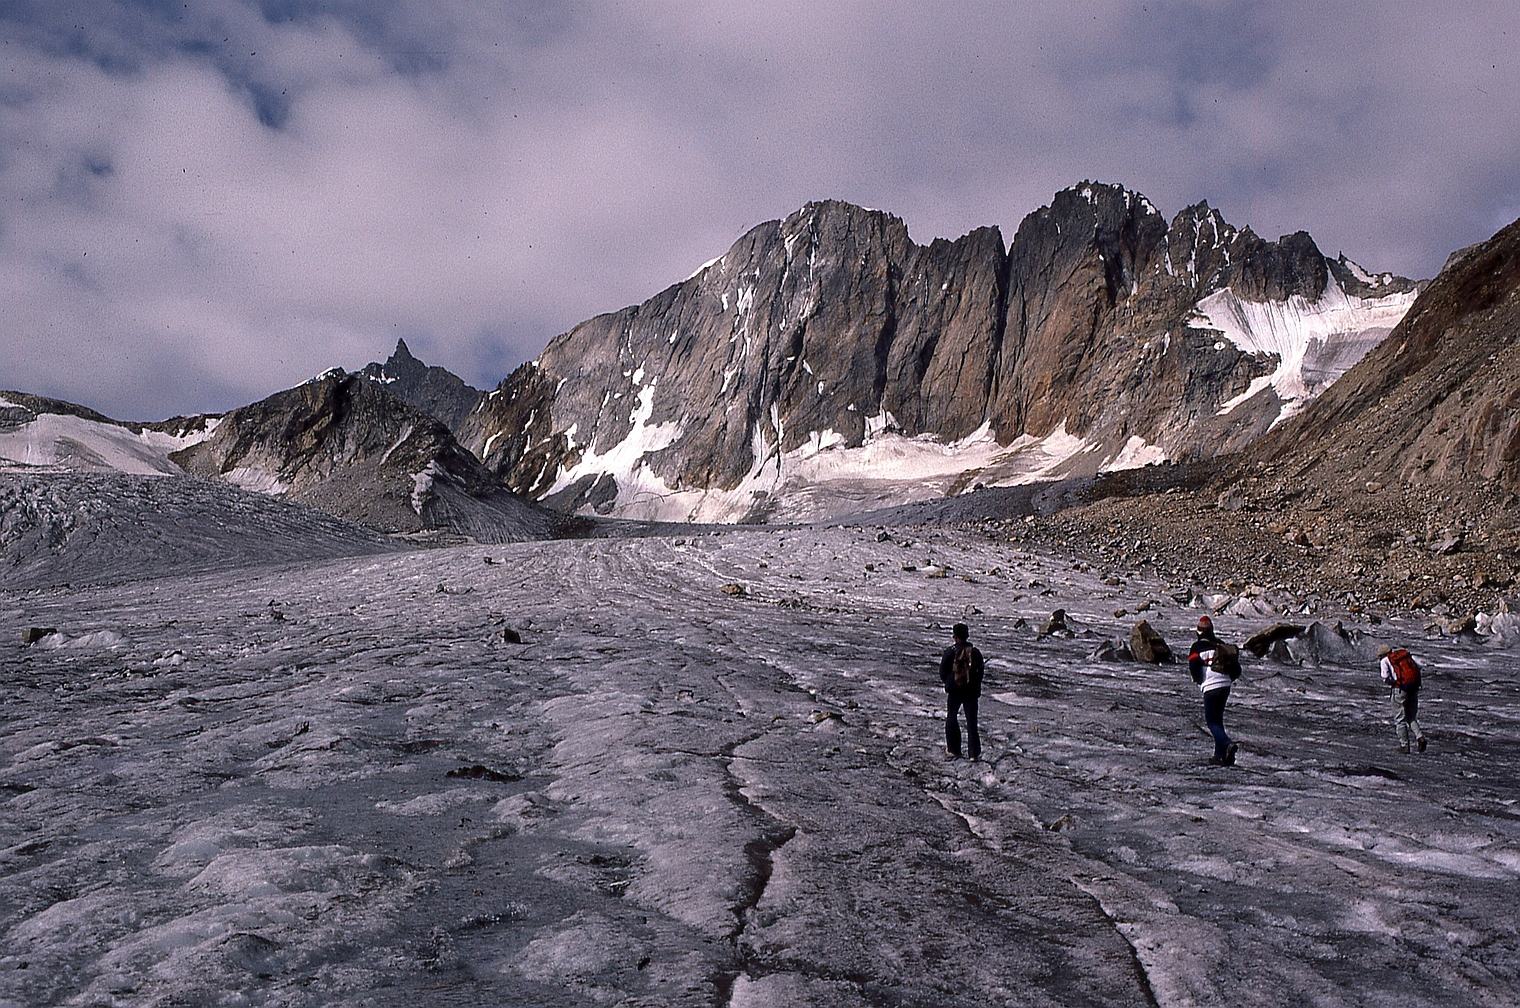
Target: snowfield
63	443
343	782
1315	342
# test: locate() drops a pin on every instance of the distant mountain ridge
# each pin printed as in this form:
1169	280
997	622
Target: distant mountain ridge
827	363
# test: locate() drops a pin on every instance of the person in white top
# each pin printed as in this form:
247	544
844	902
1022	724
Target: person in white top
1208	671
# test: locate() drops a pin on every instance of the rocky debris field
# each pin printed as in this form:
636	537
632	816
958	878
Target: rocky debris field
1445	560
584	773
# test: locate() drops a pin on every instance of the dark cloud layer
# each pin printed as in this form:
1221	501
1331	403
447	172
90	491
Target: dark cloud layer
204	201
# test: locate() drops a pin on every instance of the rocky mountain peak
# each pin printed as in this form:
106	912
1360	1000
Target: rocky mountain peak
344	444
434	390
1359	283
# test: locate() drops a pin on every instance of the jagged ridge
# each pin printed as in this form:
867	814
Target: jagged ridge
1081	346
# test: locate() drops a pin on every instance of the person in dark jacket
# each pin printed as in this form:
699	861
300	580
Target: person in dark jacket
962	661
1205	666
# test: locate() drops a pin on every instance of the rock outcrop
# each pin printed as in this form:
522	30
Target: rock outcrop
827	363
343	444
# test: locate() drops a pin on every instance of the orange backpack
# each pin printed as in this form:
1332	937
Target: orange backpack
1405	672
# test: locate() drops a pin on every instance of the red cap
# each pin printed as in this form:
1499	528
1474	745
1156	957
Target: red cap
1204	623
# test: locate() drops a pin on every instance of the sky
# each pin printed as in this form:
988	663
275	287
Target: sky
205	201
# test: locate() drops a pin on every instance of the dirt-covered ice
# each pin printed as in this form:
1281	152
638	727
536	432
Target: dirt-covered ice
344	783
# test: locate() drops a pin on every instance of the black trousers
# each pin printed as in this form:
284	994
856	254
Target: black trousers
954	702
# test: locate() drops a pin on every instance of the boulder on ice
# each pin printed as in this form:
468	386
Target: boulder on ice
1147	645
1261	641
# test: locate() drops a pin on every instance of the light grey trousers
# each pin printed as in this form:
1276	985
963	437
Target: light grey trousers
1406	715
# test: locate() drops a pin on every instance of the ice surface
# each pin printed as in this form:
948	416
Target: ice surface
698	798
822	478
86	528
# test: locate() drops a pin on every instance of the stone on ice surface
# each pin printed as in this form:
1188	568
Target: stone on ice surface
1215	601
1147	645
1461	625
1056	624
1111	652
1262	640
1250	608
734	588
1279	652
32	635
1329	643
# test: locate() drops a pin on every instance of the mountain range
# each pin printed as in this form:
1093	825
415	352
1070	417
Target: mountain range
827	365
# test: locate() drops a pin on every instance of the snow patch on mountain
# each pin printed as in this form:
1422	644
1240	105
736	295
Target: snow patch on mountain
1381	280
626	458
822	478
58	442
1136	453
256	480
1315	342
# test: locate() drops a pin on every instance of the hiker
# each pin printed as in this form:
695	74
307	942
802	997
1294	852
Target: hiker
1214	665
960	668
1402	674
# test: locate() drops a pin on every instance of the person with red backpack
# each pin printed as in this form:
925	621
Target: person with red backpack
1402	673
960	669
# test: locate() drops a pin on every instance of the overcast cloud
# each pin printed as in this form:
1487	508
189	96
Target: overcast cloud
203	202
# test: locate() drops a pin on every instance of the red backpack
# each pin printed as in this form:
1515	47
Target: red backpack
1405	672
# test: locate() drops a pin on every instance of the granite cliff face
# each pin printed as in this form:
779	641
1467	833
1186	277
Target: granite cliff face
344	445
827	363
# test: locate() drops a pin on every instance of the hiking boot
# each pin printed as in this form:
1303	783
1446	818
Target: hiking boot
952	754
1217	761
1420	743
976	757
1229	754
1404	747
